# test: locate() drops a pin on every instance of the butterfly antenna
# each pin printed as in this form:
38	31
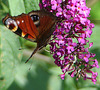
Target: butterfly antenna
32	54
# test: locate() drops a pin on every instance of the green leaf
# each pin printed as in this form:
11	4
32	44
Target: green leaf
10	53
10	56
16	7
54	83
5	8
95	11
55	70
31	5
69	83
22	72
96	36
89	88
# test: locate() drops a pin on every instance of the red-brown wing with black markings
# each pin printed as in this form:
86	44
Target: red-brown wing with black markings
35	26
22	25
45	26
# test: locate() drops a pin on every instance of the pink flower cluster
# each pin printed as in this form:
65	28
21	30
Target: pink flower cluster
70	38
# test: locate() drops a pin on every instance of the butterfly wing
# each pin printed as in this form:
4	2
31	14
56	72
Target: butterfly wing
46	26
22	25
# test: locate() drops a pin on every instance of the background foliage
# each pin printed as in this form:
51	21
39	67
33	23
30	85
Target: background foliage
40	72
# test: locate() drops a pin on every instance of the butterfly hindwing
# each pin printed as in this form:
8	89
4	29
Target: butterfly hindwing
46	26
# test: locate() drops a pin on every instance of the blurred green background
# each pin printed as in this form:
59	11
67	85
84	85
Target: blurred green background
40	73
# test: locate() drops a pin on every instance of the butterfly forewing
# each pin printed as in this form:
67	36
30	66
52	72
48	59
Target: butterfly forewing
25	26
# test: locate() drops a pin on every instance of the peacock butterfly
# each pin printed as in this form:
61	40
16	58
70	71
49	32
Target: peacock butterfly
36	26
